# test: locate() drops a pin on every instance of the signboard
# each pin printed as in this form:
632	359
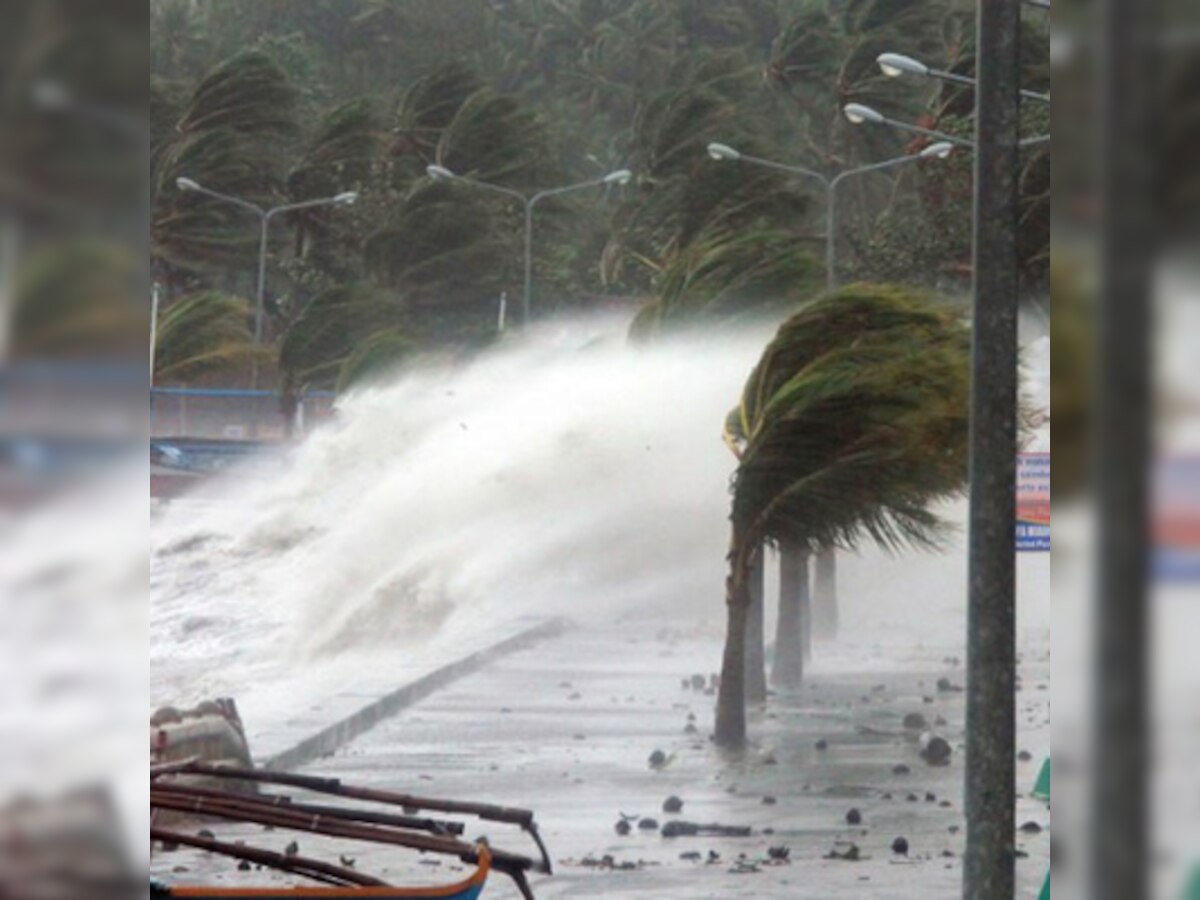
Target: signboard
1033	501
1176	520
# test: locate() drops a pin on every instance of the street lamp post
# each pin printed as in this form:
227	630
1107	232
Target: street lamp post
893	65
858	114
441	173
725	153
265	216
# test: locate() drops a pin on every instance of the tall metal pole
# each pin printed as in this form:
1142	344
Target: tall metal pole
260	294
154	296
527	301
1130	106
988	867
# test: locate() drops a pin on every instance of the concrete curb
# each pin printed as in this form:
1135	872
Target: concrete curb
342	732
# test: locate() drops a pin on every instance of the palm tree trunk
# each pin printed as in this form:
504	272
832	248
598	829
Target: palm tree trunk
791	650
731	695
756	677
825	604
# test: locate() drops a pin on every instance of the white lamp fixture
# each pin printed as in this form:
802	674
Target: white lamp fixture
439	173
896	64
940	150
723	152
857	114
621	176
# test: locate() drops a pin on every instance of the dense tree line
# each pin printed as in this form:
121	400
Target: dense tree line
278	102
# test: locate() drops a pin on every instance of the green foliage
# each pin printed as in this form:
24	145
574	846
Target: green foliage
202	333
233	137
78	299
852	423
380	353
319	342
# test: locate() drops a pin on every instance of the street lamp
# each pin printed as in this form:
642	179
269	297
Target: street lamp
858	114
441	173
894	65
346	198
725	153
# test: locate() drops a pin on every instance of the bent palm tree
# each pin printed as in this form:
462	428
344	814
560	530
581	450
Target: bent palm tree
853	421
203	333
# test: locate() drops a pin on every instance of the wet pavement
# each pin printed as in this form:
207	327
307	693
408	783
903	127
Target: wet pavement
567	729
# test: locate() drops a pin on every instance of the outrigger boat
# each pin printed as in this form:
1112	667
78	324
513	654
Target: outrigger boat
174	790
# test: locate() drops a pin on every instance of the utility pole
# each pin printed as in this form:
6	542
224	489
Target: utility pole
1130	116
989	862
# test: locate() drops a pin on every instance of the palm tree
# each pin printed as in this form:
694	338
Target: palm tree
852	423
234	136
202	333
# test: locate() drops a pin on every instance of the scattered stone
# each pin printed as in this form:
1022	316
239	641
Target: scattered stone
691	717
940	722
768	800
690	856
935	749
948	854
648	824
623	827
713	856
912	798
698	682
179	870
914	721
821	744
946	686
850	854
887	796
925	698
900	846
685	684
169	846
1024	756
1031	827
658	759
206	834
244	866
347	861
770	760
953	829
581	737
679	828
768	831
945	804
291	849
930	797
780	853
689	728
853	817
900	769
575	696
672	805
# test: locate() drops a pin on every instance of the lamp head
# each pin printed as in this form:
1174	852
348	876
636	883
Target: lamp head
621	176
439	173
723	152
897	64
940	150
857	114
347	198
186	184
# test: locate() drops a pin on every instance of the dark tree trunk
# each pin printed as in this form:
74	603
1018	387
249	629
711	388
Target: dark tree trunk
791	651
824	605
731	695
756	676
